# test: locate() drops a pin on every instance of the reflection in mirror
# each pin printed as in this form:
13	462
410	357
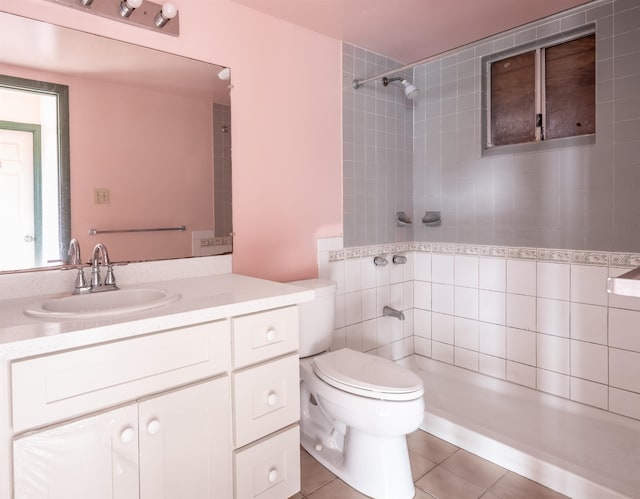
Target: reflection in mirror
34	172
149	147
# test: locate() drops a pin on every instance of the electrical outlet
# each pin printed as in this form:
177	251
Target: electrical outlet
101	196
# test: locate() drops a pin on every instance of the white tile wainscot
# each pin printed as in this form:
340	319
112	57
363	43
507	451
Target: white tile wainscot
519	322
129	373
537	317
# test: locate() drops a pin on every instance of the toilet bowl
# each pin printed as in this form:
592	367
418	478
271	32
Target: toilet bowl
356	408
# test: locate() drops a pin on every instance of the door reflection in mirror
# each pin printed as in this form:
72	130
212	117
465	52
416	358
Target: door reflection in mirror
30	161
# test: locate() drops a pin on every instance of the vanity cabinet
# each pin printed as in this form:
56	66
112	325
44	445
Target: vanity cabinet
174	445
207	410
93	457
266	403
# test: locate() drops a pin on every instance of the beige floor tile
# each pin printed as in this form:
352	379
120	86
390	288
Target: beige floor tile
513	486
429	447
489	495
445	485
473	469
421	494
419	465
297	496
336	489
312	474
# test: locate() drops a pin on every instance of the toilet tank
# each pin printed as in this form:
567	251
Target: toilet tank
316	317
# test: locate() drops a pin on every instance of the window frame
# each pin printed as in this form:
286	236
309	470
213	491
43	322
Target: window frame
537	46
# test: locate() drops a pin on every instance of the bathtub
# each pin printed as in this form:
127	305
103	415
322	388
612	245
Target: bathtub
575	449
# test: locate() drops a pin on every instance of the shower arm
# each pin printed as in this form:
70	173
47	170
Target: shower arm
386	81
356	83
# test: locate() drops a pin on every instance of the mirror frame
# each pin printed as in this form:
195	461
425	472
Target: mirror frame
61	92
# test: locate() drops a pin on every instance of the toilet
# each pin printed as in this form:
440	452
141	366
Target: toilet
355	408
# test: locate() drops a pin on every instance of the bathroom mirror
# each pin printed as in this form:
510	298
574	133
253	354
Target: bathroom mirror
149	149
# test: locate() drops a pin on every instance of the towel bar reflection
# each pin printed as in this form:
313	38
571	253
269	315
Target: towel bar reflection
93	232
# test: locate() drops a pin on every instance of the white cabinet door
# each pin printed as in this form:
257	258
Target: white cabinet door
94	457
185	443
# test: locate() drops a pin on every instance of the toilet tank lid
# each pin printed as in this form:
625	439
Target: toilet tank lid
322	287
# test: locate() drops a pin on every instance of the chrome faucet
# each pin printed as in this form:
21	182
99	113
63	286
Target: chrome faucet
75	261
101	256
392	312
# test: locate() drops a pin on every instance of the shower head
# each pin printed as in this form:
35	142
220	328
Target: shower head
410	90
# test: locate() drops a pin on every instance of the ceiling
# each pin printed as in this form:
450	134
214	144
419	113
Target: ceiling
409	30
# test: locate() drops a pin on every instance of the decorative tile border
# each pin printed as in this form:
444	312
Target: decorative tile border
578	257
553	255
215	241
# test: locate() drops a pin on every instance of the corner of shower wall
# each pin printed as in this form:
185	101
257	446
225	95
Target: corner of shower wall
377	128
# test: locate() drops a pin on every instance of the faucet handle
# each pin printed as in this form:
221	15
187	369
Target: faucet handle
110	278
81	281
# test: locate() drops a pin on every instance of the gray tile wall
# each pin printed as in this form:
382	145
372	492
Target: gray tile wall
582	197
378	152
222	169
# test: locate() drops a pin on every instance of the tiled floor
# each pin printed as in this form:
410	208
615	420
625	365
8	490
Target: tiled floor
440	470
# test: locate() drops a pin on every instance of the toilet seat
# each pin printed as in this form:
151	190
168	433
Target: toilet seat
367	375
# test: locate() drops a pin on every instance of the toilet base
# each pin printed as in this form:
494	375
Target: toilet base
376	466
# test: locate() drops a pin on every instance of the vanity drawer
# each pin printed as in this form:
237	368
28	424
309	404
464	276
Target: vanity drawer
264	335
270	469
59	386
267	398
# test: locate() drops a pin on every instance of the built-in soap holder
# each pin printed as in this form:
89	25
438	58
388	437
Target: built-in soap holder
402	219
432	219
380	261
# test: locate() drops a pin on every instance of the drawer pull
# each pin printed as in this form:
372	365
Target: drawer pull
153	427
272	399
273	475
127	435
270	335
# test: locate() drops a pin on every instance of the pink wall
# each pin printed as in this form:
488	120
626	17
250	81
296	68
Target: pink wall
286	116
168	189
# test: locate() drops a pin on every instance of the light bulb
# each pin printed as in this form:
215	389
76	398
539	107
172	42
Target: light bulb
224	74
168	12
128	6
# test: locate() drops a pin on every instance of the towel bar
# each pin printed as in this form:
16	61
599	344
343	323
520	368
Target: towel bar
93	232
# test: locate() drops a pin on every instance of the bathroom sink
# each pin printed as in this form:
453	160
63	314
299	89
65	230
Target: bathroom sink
102	304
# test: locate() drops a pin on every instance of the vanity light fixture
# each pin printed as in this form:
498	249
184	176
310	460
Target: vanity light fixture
168	12
142	13
128	6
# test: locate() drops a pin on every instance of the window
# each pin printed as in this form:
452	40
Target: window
542	93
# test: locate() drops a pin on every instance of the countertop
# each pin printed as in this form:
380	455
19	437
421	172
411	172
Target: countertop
203	299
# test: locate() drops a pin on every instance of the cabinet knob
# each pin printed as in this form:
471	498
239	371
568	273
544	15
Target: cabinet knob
272	399
153	427
273	475
270	334
127	435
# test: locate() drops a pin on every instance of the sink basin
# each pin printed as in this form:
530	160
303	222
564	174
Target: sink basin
101	304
